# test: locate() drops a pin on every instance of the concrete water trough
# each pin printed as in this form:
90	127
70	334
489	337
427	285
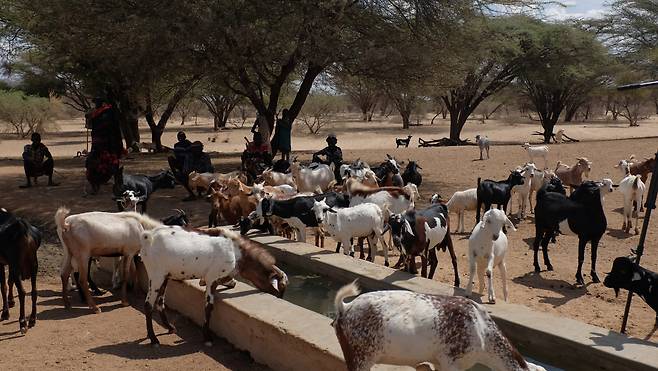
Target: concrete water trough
284	335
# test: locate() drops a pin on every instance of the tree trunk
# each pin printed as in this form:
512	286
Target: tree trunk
456	125
156	138
216	122
364	114
570	112
405	119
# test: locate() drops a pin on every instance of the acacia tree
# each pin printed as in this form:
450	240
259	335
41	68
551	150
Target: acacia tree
219	101
362	92
561	65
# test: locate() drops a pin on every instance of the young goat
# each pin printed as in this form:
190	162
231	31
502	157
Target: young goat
171	252
364	220
491	192
537	151
19	241
461	201
626	274
573	176
487	247
581	214
633	189
483	143
406	328
402	142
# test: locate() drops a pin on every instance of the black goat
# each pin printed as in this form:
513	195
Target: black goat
19	241
142	185
411	174
626	274
180	219
402	142
388	173
580	213
491	192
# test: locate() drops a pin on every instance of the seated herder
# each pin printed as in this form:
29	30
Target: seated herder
332	155
37	161
193	159
181	151
257	151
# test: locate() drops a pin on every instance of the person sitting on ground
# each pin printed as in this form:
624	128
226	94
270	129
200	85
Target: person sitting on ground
332	155
191	159
37	161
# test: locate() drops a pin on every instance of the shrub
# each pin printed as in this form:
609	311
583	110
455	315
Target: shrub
23	114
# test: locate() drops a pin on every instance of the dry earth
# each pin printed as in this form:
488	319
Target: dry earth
114	342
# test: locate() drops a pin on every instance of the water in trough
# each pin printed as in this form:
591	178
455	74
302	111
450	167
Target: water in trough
316	292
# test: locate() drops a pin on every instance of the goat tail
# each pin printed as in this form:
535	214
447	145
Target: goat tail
636	182
60	219
558	165
351	289
479	180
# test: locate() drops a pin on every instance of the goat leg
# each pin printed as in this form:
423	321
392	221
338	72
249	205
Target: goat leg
433	262
535	248
162	309
595	277
581	258
14	274
210	300
33	316
10	293
453	257
544	247
3	290
148	311
400	261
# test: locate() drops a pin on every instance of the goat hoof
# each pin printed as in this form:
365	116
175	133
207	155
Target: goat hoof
595	278
386	264
537	269
125	303
352	254
155	343
492	301
580	281
31	322
172	330
11	303
202	282
5	315
549	267
97	310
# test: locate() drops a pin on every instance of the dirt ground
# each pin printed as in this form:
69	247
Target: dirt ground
445	170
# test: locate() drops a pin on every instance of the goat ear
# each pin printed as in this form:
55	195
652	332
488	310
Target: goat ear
331	210
509	224
407	228
615	185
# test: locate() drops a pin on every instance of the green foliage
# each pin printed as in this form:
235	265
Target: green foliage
24	114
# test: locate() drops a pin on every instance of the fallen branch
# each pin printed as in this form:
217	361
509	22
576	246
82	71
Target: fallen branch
443	142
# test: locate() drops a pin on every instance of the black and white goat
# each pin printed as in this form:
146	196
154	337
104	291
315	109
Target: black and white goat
142	185
406	328
490	192
402	142
581	213
626	274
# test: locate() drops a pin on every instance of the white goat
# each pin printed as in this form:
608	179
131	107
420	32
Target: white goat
541	177
274	178
364	220
461	201
523	190
406	328
260	190
309	180
537	151
95	234
171	252
605	186
483	143
633	189
129	200
487	247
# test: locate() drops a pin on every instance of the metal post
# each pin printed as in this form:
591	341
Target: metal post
650	205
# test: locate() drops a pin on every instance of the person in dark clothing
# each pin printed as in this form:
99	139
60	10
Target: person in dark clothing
37	161
332	155
188	158
103	160
281	141
256	157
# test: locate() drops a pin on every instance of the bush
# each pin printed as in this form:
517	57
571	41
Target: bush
317	111
23	114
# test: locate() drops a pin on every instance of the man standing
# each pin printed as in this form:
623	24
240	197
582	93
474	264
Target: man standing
37	161
106	145
332	155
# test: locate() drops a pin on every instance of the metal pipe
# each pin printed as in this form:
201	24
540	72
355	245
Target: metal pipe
650	205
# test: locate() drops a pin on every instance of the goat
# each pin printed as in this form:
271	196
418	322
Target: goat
523	190
483	143
402	142
298	211
18	250
627	274
633	189
573	176
180	218
129	200
170	252
388	173
411	174
96	234
536	151
260	190
308	180
142	185
274	178
643	167
541	178
406	328
231	208
364	220
487	247
581	213
605	186
460	201
418	232
491	192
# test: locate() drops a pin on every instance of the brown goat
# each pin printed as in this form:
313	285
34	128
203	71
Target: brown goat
231	208
642	168
573	175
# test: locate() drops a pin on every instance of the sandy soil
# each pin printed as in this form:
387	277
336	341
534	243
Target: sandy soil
445	170
114	340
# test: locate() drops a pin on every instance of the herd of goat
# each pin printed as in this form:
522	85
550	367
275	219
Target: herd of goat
370	202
